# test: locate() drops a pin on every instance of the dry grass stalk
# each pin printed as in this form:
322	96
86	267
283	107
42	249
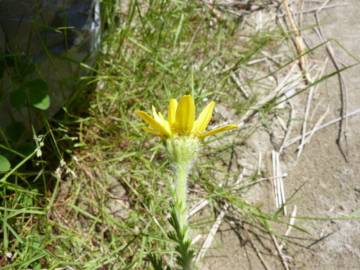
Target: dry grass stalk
317	124
288	126
197	207
240	86
209	239
291	224
278	182
297	40
307	109
279	251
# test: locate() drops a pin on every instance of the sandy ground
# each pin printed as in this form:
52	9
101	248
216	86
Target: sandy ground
332	185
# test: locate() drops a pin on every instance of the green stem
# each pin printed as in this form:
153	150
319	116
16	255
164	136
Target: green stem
183	152
182	172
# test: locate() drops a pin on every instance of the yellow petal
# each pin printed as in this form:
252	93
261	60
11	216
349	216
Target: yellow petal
204	118
161	117
161	120
185	115
217	130
152	131
153	123
155	115
164	123
172	111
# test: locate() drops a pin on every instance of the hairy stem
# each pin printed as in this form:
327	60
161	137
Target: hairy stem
182	172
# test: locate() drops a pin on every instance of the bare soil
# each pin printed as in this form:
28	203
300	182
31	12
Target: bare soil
332	184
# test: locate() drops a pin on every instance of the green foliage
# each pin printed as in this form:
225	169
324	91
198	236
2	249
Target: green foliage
185	255
184	252
4	164
157	263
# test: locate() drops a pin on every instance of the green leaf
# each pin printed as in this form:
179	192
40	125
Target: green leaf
4	164
38	94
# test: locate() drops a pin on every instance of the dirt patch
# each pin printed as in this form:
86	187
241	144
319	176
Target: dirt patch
332	184
331	190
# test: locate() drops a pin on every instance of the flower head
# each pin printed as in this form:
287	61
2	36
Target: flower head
181	120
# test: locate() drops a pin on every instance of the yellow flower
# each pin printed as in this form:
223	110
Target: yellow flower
181	120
